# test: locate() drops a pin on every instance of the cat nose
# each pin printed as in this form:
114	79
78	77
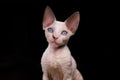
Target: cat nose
54	37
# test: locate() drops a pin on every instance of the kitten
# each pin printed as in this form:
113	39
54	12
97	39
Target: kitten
57	62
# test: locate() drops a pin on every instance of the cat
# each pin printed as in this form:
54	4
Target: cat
57	62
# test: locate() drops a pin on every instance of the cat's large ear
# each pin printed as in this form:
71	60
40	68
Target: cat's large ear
73	21
48	17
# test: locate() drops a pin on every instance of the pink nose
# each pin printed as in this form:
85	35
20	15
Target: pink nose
54	37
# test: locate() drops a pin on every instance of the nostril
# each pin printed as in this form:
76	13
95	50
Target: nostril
54	37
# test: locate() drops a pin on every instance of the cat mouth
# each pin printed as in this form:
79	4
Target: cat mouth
54	42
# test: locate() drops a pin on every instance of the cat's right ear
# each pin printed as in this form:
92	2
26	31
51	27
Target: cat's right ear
48	17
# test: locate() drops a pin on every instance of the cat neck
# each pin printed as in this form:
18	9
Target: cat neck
56	48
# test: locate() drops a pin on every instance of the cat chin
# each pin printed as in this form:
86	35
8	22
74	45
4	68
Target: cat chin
56	45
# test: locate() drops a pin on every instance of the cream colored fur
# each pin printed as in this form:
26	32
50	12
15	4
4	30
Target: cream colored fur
57	62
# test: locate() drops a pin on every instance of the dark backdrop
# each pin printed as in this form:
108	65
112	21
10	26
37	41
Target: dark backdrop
23	42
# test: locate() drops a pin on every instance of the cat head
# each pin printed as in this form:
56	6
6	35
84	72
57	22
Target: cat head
58	33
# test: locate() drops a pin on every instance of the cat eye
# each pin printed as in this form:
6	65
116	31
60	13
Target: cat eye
50	30
64	32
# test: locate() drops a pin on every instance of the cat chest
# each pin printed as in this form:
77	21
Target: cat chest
55	61
55	73
55	64
54	67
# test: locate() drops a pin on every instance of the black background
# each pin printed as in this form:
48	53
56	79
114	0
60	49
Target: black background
23	42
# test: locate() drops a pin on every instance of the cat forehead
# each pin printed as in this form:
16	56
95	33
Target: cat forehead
60	26
59	23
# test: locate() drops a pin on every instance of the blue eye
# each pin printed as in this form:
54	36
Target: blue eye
64	33
50	30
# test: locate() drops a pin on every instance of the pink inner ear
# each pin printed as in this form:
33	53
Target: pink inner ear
48	21
49	17
73	26
73	21
71	29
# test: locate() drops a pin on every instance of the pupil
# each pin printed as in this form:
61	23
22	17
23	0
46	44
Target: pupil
50	30
64	33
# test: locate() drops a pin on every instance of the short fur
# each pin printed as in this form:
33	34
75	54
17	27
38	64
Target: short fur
57	62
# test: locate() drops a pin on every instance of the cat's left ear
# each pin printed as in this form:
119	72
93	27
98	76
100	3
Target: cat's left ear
73	21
